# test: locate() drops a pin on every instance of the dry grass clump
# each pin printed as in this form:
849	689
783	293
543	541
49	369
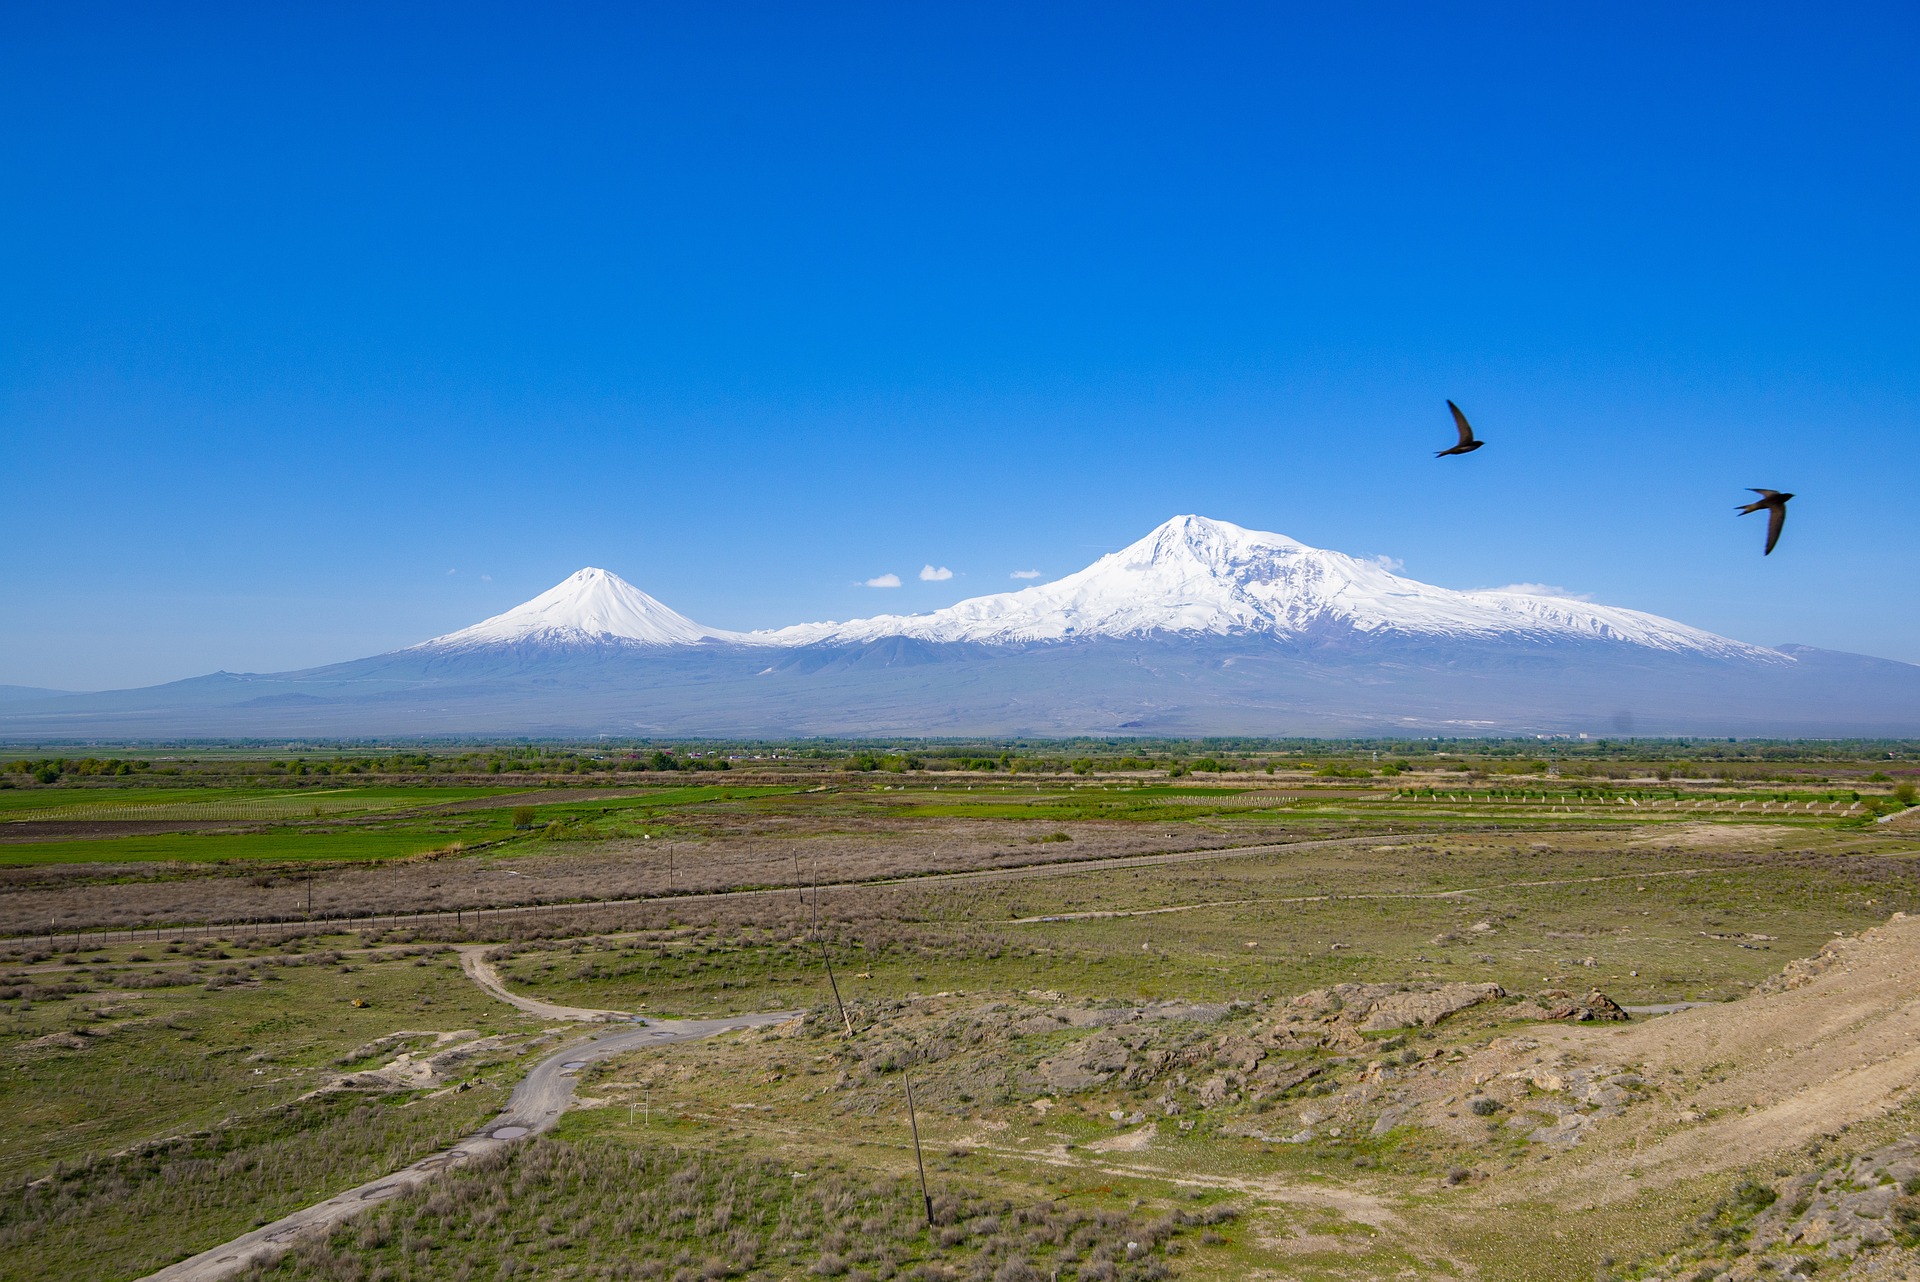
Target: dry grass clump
599	1209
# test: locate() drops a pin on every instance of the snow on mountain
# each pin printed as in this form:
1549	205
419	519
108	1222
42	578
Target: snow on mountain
1198	576
1189	577
591	607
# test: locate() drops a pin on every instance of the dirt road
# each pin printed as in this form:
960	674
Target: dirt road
536	1104
473	961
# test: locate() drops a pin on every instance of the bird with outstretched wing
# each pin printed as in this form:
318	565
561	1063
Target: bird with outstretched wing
1776	504
1468	442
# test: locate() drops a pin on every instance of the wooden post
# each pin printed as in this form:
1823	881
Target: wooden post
844	1019
926	1198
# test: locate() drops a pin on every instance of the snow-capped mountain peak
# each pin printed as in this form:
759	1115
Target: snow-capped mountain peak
590	607
1197	576
1191	576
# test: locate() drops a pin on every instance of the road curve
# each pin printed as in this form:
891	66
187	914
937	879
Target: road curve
474	962
535	1105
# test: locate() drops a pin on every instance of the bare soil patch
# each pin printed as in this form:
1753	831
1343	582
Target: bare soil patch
1831	1046
775	853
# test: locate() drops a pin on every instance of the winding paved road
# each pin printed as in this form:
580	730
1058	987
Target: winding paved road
535	1105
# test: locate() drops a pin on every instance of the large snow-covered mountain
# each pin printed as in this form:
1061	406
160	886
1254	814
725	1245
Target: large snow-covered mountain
1201	627
1198	577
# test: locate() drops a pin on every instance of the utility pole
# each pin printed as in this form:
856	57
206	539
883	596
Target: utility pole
845	1020
926	1198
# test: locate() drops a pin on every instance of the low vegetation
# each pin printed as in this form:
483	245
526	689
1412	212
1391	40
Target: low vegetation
126	1215
1325	1037
602	1209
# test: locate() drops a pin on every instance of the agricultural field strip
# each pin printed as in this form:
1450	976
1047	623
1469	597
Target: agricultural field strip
534	1107
545	796
378	826
275	807
1372	894
345	802
1050	868
1334	796
480	972
265	806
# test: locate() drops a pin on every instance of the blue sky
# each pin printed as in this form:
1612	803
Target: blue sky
326	329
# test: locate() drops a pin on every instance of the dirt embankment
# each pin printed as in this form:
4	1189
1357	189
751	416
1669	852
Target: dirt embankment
1829	1043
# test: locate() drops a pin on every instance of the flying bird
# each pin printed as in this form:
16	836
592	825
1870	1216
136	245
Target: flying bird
1776	504
1467	443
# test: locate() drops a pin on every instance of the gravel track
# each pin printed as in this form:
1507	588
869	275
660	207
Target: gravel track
536	1104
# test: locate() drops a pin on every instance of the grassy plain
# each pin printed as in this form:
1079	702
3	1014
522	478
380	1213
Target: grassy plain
1103	1019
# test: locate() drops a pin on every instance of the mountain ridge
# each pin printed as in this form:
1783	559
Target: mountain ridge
1200	628
1195	574
1190	575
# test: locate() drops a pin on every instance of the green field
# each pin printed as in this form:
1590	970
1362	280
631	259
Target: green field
1096	1024
138	804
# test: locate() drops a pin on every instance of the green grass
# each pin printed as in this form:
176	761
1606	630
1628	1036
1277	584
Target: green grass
277	845
157	1061
128	1215
1663	926
115	804
590	1205
326	838
226	1064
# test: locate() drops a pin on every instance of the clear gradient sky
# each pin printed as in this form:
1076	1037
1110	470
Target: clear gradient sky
325	329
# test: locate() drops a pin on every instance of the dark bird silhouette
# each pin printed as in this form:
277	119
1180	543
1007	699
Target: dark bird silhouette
1467	443
1776	504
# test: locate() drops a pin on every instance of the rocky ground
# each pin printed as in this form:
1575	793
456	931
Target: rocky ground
1856	1218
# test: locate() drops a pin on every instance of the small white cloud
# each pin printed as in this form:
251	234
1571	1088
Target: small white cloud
935	574
1391	564
1541	589
884	581
1024	574
453	571
486	578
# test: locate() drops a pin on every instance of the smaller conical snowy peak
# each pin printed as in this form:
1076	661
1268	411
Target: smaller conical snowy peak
591	607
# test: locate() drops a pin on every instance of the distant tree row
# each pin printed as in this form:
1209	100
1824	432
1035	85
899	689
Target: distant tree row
53	769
